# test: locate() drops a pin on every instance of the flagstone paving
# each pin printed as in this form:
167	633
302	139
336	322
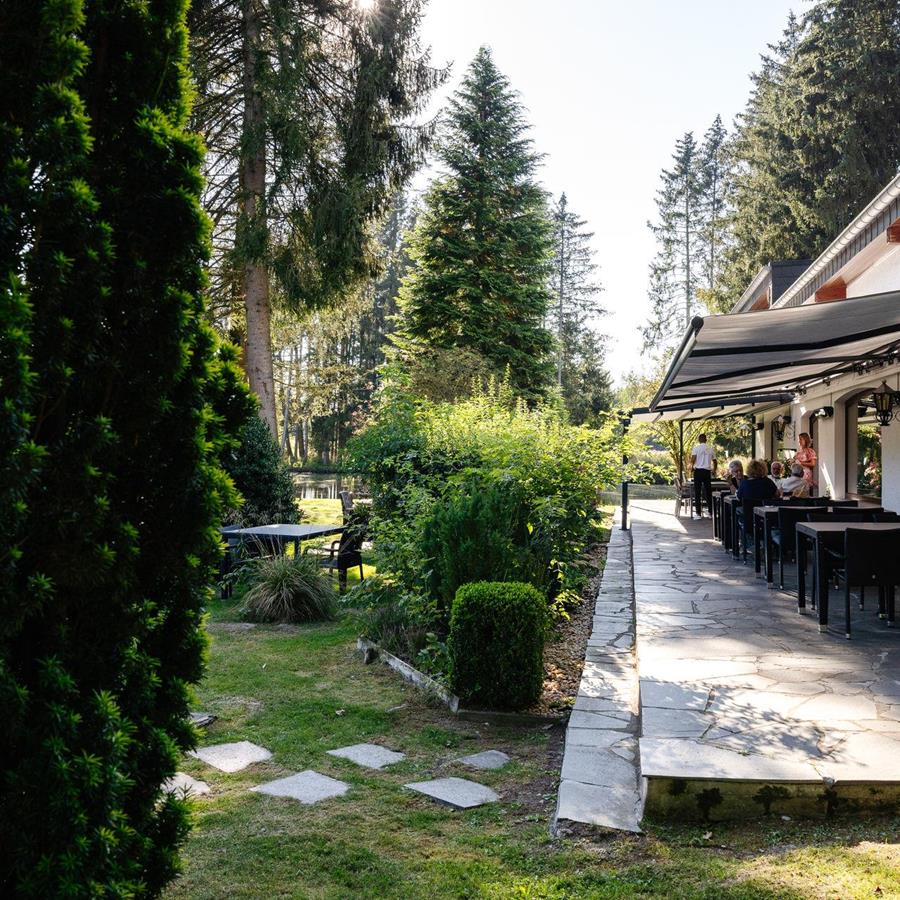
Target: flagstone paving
185	786
370	756
487	759
231	757
459	793
306	787
737	686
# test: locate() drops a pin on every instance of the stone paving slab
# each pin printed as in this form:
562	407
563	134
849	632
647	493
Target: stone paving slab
232	757
487	759
459	793
737	688
370	756
307	787
185	786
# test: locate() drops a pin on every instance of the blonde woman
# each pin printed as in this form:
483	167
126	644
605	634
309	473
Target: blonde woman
757	485
807	458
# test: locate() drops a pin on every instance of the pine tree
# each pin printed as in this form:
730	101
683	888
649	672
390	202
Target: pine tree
580	373
820	135
481	248
714	163
117	426
305	107
677	268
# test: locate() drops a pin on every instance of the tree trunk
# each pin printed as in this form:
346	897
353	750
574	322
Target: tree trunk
260	370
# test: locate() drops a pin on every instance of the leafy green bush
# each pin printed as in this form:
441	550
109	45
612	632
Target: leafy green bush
496	644
288	589
258	472
482	532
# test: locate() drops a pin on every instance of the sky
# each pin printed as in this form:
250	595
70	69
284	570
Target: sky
609	86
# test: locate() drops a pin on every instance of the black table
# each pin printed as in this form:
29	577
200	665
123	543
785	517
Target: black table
768	517
282	534
825	536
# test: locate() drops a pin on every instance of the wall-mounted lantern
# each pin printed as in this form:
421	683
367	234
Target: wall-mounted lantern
885	400
779	423
824	412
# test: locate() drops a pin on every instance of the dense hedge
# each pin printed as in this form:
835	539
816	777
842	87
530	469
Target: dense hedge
113	422
496	644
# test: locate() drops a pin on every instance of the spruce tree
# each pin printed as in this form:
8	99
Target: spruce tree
820	135
677	268
714	165
481	249
576	309
305	107
109	539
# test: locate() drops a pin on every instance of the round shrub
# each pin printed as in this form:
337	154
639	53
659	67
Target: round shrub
496	643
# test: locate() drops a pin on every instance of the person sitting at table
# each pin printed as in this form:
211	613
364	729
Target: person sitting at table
795	484
775	472
757	485
735	474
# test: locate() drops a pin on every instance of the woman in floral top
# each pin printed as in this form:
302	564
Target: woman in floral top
806	456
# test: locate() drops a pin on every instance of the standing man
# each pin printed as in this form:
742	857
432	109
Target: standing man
703	464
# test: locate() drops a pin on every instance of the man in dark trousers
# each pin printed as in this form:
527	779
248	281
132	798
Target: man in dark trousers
703	465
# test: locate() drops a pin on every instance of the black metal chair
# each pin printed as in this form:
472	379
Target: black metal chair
346	505
886	516
842	503
784	536
345	554
871	559
832	559
745	525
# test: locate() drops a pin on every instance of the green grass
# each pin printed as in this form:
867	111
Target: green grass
300	691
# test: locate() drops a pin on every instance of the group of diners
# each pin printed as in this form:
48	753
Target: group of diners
762	480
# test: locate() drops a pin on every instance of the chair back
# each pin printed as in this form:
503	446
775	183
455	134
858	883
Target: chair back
885	516
820	517
346	504
843	502
872	557
842	515
746	512
787	523
350	546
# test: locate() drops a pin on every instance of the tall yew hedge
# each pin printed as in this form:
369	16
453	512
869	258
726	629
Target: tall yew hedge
116	406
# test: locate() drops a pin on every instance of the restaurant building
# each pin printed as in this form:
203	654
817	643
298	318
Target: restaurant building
817	354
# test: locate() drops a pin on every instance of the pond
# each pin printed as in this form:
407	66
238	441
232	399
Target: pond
326	486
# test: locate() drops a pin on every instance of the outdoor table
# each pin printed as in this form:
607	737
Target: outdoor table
728	520
718	494
826	536
762	537
282	534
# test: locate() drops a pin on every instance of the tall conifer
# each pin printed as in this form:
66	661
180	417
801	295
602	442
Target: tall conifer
481	248
121	418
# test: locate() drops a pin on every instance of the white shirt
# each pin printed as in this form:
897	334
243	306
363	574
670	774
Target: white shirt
791	483
703	456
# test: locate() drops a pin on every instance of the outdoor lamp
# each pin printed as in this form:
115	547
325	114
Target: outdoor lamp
824	412
884	400
778	424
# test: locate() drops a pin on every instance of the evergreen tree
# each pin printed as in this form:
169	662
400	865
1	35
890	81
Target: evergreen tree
580	373
677	268
481	248
714	165
304	106
109	539
820	135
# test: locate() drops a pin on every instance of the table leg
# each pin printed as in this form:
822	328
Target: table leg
821	585
770	578
801	573
757	560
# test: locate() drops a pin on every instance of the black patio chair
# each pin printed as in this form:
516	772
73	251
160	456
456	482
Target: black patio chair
833	559
842	503
684	496
885	516
784	535
346	505
870	559
745	524
345	554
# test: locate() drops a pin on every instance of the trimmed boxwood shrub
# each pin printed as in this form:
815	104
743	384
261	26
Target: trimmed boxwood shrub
497	631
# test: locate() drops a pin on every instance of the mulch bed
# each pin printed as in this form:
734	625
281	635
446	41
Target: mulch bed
566	646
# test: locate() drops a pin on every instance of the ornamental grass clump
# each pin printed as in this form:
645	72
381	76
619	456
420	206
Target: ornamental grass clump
288	589
496	644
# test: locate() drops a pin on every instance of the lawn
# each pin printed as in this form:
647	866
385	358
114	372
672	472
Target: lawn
300	691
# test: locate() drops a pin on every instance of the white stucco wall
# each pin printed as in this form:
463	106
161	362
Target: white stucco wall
890	466
882	277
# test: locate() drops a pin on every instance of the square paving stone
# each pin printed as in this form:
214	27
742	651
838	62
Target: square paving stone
459	793
372	756
308	787
184	786
232	757
487	759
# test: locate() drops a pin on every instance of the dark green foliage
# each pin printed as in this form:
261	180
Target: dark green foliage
261	477
497	632
481	248
287	589
110	488
482	532
820	135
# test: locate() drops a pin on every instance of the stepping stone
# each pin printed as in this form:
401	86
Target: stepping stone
460	793
308	787
487	759
202	720
372	756
184	786
232	757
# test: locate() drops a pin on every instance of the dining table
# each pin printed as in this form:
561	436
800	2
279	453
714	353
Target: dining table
765	518
825	536
281	534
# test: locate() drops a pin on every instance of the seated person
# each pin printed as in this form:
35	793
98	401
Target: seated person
795	485
757	485
735	474
775	472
